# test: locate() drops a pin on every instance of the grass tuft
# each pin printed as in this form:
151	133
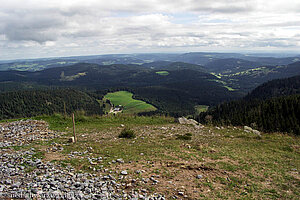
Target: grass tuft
187	136
127	133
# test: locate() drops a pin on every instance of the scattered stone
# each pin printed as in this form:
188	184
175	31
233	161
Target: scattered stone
199	176
34	190
257	133
181	193
120	160
249	130
71	140
154	180
183	120
124	172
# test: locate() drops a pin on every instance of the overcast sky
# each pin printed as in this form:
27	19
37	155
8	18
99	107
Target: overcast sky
45	28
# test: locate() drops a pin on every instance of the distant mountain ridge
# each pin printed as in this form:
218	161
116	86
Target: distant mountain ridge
198	58
230	65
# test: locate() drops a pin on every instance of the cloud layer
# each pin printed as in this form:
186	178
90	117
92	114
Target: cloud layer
39	28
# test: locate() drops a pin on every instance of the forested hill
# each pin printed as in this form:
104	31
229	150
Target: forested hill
265	108
46	102
276	88
174	89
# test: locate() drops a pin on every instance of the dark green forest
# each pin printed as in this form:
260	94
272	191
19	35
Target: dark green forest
273	106
276	88
275	114
46	102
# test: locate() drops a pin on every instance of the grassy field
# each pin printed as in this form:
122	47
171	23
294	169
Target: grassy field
214	163
131	105
162	73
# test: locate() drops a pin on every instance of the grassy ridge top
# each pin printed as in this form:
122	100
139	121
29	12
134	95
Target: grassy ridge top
131	105
216	162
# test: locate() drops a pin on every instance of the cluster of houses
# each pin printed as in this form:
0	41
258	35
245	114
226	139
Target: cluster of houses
117	109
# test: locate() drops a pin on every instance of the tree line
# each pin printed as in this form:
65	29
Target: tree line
271	115
46	102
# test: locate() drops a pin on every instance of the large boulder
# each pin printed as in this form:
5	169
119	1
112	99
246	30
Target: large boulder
183	120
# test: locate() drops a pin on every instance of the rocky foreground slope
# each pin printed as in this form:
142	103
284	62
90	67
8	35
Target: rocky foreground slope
23	175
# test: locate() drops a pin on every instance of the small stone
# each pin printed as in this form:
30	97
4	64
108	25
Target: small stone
93	163
124	172
143	190
71	140
199	176
181	193
120	160
8	182
34	190
10	165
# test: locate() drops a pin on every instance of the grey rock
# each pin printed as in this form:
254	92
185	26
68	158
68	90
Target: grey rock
34	190
124	172
199	176
181	193
10	165
8	182
120	160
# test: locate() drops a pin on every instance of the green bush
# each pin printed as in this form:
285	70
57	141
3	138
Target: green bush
127	133
187	136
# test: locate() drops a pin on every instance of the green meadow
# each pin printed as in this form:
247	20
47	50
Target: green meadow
162	73
130	105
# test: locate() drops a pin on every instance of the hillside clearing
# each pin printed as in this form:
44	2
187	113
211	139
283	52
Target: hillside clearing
130	105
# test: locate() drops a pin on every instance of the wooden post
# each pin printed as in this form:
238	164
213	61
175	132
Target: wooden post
65	110
73	119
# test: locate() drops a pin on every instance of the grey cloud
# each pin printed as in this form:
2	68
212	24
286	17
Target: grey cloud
82	33
224	9
29	35
275	42
283	24
32	26
224	6
87	26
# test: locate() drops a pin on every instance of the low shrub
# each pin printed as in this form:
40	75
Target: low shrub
127	133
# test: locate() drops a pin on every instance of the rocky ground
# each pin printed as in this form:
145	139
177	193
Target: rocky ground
166	160
24	175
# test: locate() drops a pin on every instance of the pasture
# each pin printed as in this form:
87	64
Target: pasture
130	105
